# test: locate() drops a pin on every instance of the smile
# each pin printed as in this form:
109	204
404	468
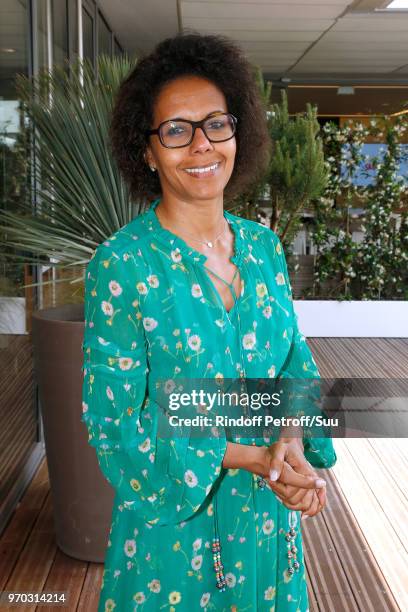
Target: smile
204	171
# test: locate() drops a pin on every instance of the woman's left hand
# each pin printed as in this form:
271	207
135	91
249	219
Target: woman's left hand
288	458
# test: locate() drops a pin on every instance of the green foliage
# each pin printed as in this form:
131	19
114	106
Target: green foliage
15	189
81	198
297	172
375	268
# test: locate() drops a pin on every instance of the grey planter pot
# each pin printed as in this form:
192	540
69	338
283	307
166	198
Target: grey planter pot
82	497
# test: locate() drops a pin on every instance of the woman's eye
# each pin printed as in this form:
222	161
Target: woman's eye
175	130
216	125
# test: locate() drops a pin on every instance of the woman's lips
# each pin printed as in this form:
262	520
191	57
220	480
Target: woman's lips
203	171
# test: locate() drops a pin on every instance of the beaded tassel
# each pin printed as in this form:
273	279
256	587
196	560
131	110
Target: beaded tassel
218	566
216	550
261	482
293	563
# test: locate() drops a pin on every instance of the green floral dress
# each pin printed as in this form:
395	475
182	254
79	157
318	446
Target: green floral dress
152	312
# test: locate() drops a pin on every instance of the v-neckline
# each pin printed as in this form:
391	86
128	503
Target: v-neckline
229	312
186	249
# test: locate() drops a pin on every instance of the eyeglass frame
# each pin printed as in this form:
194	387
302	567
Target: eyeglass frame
194	125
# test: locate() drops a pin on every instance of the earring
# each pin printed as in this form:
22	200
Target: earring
152	168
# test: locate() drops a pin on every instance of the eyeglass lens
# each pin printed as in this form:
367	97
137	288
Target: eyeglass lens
179	133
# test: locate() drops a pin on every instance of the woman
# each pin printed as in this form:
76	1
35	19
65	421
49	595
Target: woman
202	522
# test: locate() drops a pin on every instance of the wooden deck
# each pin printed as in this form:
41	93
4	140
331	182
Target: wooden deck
356	550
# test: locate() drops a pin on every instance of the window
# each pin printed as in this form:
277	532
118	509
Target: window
19	442
60	32
73	42
104	37
88	36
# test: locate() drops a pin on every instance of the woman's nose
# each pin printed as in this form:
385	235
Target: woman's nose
200	141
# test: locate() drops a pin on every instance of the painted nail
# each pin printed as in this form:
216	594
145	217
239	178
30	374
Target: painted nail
319	482
273	475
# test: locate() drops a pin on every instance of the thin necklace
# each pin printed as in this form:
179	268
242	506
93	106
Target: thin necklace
209	243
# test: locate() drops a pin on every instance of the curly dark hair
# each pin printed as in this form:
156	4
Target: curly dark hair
220	61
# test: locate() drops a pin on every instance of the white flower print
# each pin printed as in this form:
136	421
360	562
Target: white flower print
145	446
110	605
135	484
230	579
190	478
130	548
267	312
141	287
115	288
271	371
196	290
269	593
102	341
176	255
169	386
107	308
249	341
280	279
268	526
261	289
194	342
197	562
197	544
205	599
84	407
155	585
174	597
139	597
278	248
109	393
149	323
125	363
153	280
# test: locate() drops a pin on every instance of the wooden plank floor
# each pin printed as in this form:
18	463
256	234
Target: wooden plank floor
31	561
355	551
368	525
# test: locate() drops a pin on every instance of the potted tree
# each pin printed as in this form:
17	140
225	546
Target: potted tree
80	200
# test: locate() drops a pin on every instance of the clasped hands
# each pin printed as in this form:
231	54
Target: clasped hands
292	477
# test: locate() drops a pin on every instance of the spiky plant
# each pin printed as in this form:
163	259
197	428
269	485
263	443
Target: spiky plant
80	197
298	173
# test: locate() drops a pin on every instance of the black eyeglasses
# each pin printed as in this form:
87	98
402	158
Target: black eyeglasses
175	133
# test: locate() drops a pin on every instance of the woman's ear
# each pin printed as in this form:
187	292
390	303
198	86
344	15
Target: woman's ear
148	157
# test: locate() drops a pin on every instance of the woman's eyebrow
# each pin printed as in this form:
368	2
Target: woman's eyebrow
216	112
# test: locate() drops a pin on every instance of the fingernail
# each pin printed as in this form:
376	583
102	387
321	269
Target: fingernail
319	482
273	475
304	516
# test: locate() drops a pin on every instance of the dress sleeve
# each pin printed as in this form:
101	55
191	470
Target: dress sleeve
300	365
165	481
